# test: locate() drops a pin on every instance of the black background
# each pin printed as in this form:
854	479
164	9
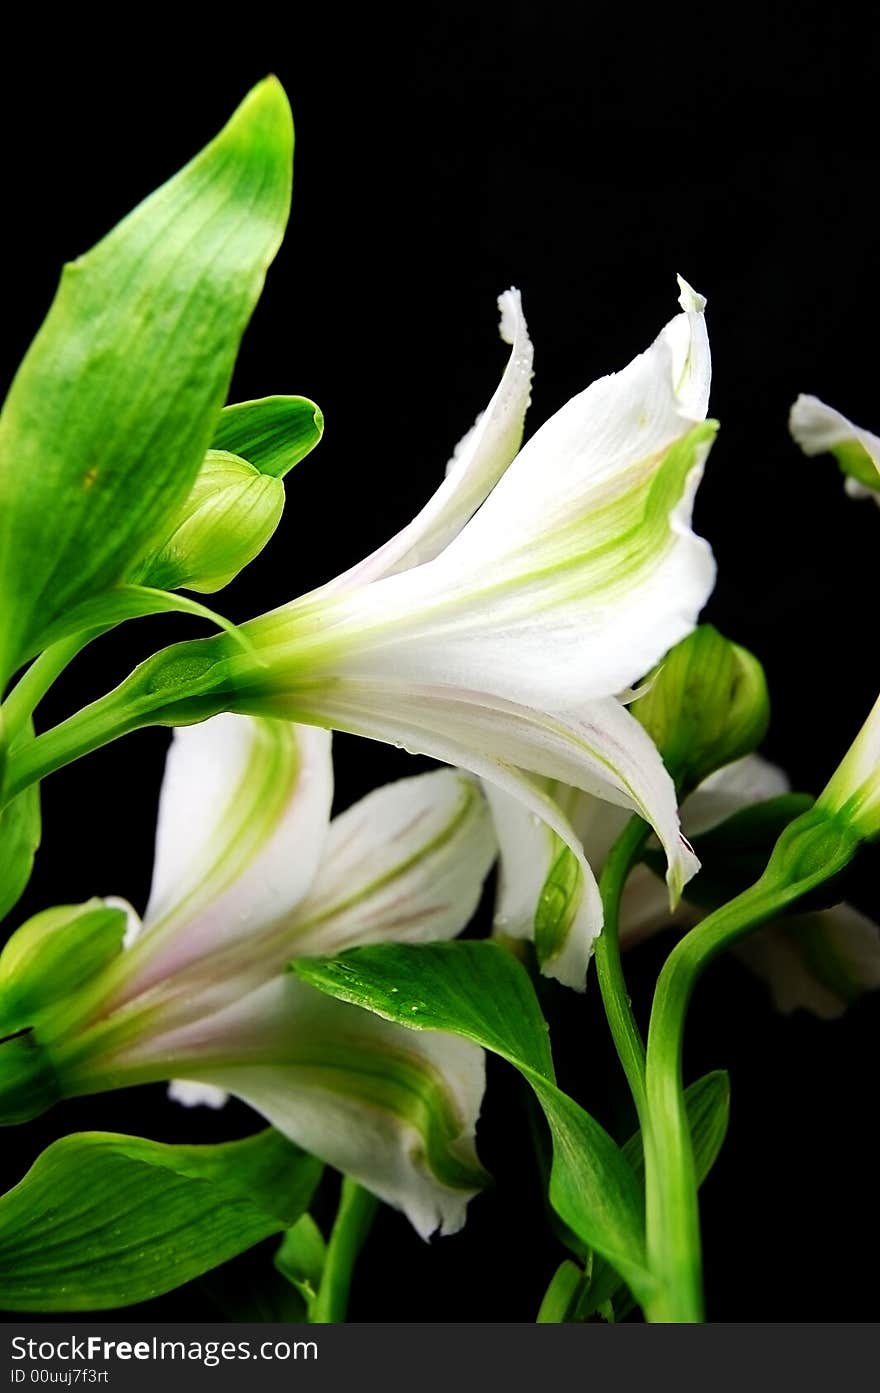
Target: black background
442	155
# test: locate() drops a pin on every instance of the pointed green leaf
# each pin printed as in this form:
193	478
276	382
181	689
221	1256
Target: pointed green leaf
479	991
115	404
102	1220
273	433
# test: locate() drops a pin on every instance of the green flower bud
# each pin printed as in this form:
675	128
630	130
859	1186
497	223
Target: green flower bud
227	518
707	705
812	849
43	970
853	792
52	956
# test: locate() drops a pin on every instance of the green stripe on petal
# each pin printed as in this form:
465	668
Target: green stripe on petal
395	1111
558	904
406	863
243	817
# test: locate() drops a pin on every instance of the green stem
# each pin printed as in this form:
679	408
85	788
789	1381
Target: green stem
33	685
357	1208
615	998
809	852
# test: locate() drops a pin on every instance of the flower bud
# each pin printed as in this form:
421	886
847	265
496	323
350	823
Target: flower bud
706	705
226	519
52	956
852	795
43	969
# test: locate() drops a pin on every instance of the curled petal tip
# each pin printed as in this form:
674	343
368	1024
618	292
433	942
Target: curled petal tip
510	309
691	301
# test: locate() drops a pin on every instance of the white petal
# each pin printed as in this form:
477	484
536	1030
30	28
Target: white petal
575	576
395	1109
527	846
818	429
478	462
243	818
529	849
820	962
532	831
601	749
749	780
193	1095
405	864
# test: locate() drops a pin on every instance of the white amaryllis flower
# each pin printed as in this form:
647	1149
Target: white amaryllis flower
497	631
819	961
249	873
819	430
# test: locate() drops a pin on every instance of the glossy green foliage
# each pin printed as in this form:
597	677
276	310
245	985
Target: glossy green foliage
273	433
477	990
102	1220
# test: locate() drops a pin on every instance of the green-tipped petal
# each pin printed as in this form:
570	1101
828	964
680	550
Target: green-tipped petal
819	429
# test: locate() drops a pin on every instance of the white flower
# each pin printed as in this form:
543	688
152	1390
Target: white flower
249	873
820	960
497	631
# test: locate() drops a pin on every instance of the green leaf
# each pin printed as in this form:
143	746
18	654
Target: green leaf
20	829
102	1220
273	433
479	991
301	1257
115	404
708	1111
